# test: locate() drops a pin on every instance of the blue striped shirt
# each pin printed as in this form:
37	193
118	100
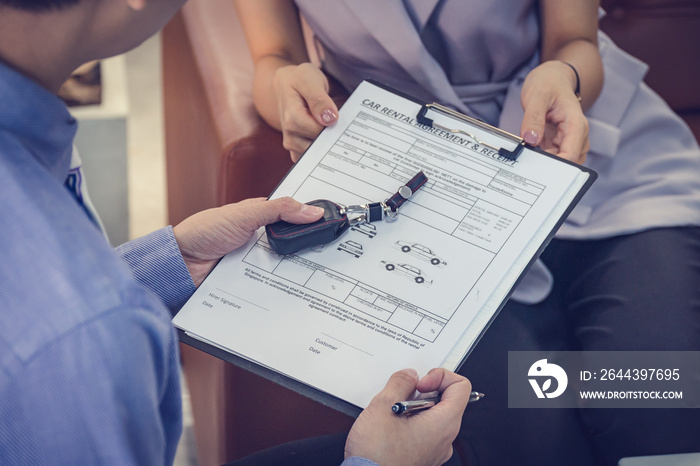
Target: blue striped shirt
88	356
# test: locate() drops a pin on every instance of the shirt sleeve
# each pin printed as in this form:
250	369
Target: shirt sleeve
156	262
358	461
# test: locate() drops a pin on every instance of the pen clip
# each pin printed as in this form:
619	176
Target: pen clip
413	406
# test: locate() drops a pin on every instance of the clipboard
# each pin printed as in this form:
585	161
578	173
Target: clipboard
317	322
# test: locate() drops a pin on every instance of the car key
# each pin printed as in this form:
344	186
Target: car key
286	238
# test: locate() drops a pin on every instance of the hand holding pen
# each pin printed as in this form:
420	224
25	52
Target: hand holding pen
387	439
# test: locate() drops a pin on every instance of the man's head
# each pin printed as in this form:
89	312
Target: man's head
38	5
48	39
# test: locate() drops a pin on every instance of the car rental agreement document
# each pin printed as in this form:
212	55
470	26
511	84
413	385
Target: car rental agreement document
334	322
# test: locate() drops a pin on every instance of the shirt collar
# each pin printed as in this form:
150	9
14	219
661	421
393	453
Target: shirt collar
38	119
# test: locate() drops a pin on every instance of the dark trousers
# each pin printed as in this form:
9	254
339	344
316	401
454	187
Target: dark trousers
637	292
634	292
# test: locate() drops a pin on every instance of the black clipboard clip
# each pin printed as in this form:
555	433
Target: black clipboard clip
502	152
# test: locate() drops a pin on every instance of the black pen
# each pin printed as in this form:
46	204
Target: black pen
413	406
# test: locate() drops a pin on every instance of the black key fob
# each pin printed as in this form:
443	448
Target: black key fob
286	238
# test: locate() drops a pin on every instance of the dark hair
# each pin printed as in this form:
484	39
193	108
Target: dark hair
38	5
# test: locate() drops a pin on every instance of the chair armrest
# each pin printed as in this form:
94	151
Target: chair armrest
665	35
219	150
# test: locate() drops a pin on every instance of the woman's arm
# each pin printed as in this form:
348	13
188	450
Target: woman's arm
273	31
570	34
289	93
553	114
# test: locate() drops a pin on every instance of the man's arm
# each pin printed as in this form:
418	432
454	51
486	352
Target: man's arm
156	262
207	236
172	262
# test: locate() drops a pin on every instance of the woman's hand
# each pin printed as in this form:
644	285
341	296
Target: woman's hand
304	105
289	92
554	119
554	116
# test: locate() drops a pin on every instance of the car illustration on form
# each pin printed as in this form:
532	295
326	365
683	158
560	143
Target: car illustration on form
351	247
421	252
409	271
366	229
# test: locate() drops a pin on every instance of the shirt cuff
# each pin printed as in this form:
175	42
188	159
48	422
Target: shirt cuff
156	262
358	461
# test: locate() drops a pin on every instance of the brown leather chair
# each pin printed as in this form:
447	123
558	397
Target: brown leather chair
218	150
666	35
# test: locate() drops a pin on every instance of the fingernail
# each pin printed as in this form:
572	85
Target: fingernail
311	210
328	116
530	137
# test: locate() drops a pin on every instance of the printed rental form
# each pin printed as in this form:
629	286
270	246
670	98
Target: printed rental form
416	292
